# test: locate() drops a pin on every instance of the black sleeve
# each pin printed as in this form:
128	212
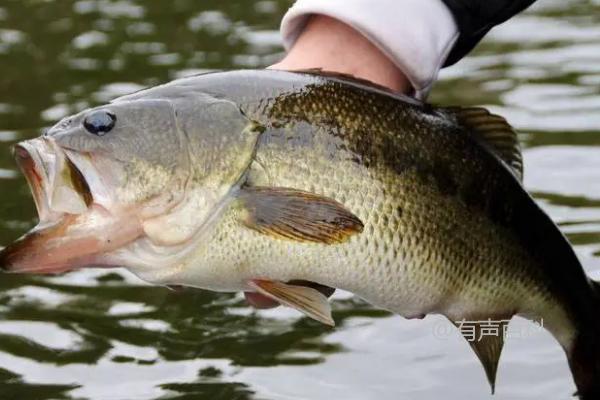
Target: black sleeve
475	18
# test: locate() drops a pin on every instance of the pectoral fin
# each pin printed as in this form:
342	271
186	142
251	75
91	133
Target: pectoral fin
304	299
297	215
486	338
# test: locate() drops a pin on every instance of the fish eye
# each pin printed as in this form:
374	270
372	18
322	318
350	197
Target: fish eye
99	122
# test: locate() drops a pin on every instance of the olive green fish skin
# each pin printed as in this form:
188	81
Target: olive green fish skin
447	227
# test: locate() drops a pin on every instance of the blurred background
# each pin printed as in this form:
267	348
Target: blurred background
98	334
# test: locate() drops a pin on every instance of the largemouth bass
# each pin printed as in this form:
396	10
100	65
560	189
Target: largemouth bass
286	184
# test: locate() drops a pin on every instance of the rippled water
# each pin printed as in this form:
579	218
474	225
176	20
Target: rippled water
98	334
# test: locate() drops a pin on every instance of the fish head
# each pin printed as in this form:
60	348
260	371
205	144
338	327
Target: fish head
130	184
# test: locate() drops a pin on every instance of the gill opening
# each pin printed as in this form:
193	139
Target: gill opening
185	147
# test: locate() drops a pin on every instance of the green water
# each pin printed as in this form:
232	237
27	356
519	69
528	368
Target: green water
99	334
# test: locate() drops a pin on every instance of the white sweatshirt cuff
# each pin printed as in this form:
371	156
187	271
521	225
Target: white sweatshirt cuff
417	35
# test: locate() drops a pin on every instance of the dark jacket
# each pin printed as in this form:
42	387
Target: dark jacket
475	18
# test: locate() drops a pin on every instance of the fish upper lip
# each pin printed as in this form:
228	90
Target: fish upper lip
30	162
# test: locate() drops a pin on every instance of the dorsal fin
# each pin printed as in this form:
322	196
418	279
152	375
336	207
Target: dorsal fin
494	131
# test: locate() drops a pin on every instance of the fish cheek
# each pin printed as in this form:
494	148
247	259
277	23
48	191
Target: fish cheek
142	182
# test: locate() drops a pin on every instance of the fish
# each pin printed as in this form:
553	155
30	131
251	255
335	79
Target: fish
289	185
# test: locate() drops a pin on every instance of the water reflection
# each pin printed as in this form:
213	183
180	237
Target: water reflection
101	334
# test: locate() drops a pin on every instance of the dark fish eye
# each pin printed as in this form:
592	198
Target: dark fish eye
99	122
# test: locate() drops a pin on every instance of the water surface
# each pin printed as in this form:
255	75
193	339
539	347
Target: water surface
99	334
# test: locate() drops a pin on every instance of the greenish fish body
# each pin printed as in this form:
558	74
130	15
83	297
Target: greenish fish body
253	180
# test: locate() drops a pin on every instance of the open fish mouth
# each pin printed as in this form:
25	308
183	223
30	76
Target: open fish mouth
57	185
74	228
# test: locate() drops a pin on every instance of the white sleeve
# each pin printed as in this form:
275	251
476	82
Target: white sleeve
417	35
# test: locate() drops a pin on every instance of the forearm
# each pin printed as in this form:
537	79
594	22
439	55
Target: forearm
331	45
400	44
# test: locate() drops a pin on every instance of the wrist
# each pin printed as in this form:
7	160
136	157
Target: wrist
331	45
